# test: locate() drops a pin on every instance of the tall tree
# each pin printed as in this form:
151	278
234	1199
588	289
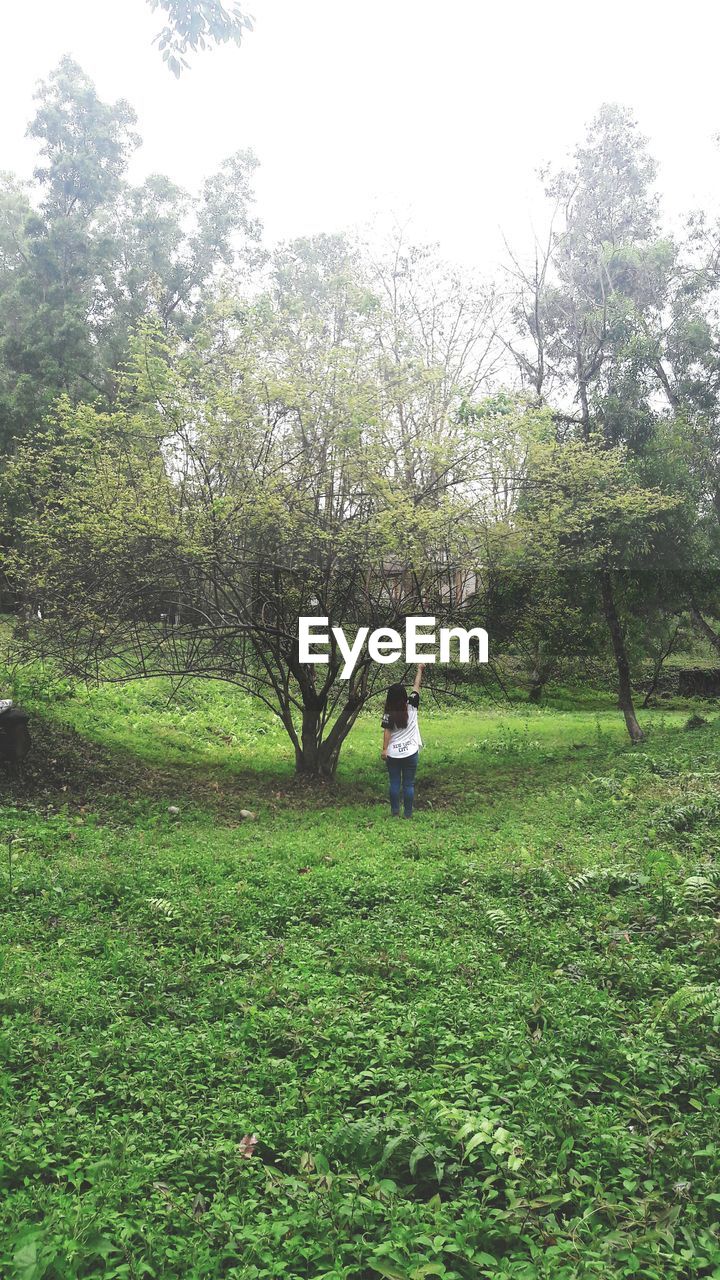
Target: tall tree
536	604
583	314
49	300
587	520
91	256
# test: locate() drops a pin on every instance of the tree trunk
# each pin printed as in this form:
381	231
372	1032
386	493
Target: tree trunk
316	756
705	627
657	669
625	698
316	760
539	677
308	751
652	687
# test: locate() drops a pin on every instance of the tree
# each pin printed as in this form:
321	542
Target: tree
584	317
683	356
529	605
92	256
249	481
586	517
49	305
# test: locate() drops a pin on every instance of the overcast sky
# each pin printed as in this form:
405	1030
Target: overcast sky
440	113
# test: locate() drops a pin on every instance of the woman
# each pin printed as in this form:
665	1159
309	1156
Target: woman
402	743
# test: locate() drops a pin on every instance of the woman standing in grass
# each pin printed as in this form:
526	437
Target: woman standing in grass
402	743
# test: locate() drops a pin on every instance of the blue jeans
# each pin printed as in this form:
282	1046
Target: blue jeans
402	775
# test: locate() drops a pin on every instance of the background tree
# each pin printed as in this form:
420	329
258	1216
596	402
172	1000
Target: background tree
586	514
683	347
532	606
49	303
584	318
90	256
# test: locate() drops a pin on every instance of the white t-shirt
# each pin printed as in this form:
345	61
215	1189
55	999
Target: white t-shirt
405	742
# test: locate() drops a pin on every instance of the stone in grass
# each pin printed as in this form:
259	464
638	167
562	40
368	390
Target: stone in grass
247	815
173	811
696	722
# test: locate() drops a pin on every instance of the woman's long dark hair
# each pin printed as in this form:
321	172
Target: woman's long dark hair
396	706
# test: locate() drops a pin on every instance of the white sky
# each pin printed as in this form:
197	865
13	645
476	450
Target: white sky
436	112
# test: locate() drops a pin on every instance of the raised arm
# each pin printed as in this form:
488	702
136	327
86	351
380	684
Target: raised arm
418	677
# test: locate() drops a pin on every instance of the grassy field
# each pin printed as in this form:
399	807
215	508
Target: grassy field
484	1043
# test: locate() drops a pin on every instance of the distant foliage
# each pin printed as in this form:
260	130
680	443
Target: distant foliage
194	25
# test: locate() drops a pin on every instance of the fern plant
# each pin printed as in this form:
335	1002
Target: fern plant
690	1003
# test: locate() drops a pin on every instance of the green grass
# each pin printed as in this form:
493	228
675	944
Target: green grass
484	1043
